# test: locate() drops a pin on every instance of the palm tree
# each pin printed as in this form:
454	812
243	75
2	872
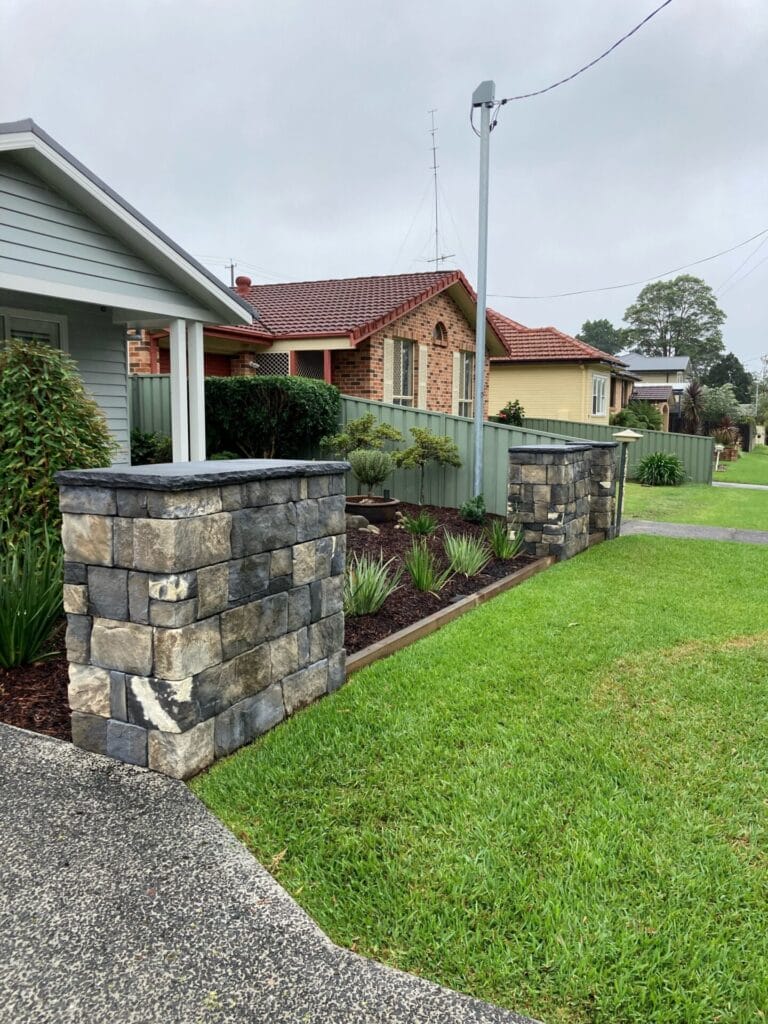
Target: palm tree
693	407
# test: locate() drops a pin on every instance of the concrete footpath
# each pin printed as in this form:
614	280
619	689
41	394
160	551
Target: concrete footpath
123	900
688	531
744	487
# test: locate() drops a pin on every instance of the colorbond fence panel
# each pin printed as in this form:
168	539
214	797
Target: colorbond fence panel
150	403
695	452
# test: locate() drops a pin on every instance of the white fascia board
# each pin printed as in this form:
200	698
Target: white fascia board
310	344
76	293
138	234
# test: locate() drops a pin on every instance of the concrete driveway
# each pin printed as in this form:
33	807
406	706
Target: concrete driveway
123	900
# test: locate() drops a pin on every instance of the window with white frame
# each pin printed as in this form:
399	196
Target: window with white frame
599	392
25	325
402	372
466	367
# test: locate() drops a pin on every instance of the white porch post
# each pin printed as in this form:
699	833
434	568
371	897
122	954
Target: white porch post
196	389
179	414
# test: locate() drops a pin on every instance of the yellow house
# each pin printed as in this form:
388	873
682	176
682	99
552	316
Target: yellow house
555	376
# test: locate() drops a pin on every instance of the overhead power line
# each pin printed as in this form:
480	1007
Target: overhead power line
634	284
498	104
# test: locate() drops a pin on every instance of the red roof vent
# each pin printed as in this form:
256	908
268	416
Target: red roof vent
242	284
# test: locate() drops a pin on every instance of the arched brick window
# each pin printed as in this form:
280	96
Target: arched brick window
440	334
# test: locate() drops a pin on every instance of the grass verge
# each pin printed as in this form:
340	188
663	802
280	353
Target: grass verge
751	468
699	504
556	803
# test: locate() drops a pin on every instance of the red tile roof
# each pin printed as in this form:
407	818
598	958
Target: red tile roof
354	307
543	344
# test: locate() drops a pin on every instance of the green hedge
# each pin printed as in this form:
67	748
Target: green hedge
269	417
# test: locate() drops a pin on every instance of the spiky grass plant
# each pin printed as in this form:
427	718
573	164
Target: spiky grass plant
504	539
31	572
421	565
467	555
368	582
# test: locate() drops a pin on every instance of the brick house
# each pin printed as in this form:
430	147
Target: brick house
408	339
556	376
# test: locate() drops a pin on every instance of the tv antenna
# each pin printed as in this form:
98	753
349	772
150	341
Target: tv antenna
437	259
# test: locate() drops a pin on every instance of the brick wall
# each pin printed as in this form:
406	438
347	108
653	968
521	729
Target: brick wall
139	352
360	371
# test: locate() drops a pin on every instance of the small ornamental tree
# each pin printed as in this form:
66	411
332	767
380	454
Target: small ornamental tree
371	467
363	433
47	423
426	448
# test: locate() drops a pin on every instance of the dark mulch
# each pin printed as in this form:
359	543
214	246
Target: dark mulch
35	697
407	605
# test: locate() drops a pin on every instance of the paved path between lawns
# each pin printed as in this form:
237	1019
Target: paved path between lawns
688	531
123	900
743	487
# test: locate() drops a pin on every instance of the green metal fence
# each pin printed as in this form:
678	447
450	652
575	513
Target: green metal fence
694	452
150	400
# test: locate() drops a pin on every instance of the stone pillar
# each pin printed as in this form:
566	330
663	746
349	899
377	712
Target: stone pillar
204	604
603	474
549	491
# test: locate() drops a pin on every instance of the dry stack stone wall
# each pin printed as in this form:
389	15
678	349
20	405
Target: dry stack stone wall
602	474
204	604
549	491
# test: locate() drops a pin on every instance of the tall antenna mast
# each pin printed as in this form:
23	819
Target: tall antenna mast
437	259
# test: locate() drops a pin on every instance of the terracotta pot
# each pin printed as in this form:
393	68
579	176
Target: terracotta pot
375	509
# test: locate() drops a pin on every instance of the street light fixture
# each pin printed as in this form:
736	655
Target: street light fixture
626	438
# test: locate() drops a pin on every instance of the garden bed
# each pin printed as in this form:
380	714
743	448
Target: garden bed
34	697
408	605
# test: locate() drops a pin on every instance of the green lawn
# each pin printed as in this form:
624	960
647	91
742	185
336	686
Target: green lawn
557	803
750	469
698	503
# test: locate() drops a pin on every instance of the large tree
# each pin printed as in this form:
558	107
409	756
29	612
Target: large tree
729	369
603	335
677	318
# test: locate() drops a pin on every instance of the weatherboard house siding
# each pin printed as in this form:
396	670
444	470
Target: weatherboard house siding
563	389
45	237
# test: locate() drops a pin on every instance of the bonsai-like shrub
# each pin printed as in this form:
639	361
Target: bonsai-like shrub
364	432
512	414
269	417
661	469
47	423
148	449
426	448
638	415
371	467
474	510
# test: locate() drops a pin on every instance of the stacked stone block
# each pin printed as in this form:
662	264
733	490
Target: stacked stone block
603	470
549	493
204	604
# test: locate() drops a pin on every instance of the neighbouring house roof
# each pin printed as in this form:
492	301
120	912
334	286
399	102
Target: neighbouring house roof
544	344
653	392
351	307
656	364
43	155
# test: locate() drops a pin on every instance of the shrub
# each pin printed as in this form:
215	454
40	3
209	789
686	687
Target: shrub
31	573
505	540
421	566
368	583
371	467
421	525
363	432
474	510
148	449
47	423
661	469
638	415
427	447
467	555
512	414
726	433
269	417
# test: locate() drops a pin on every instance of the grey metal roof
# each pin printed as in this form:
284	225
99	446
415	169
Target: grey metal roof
28	125
660	364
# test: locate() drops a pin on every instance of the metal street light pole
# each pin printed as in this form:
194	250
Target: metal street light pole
483	97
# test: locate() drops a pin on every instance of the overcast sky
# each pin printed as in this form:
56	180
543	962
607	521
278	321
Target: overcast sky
293	137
